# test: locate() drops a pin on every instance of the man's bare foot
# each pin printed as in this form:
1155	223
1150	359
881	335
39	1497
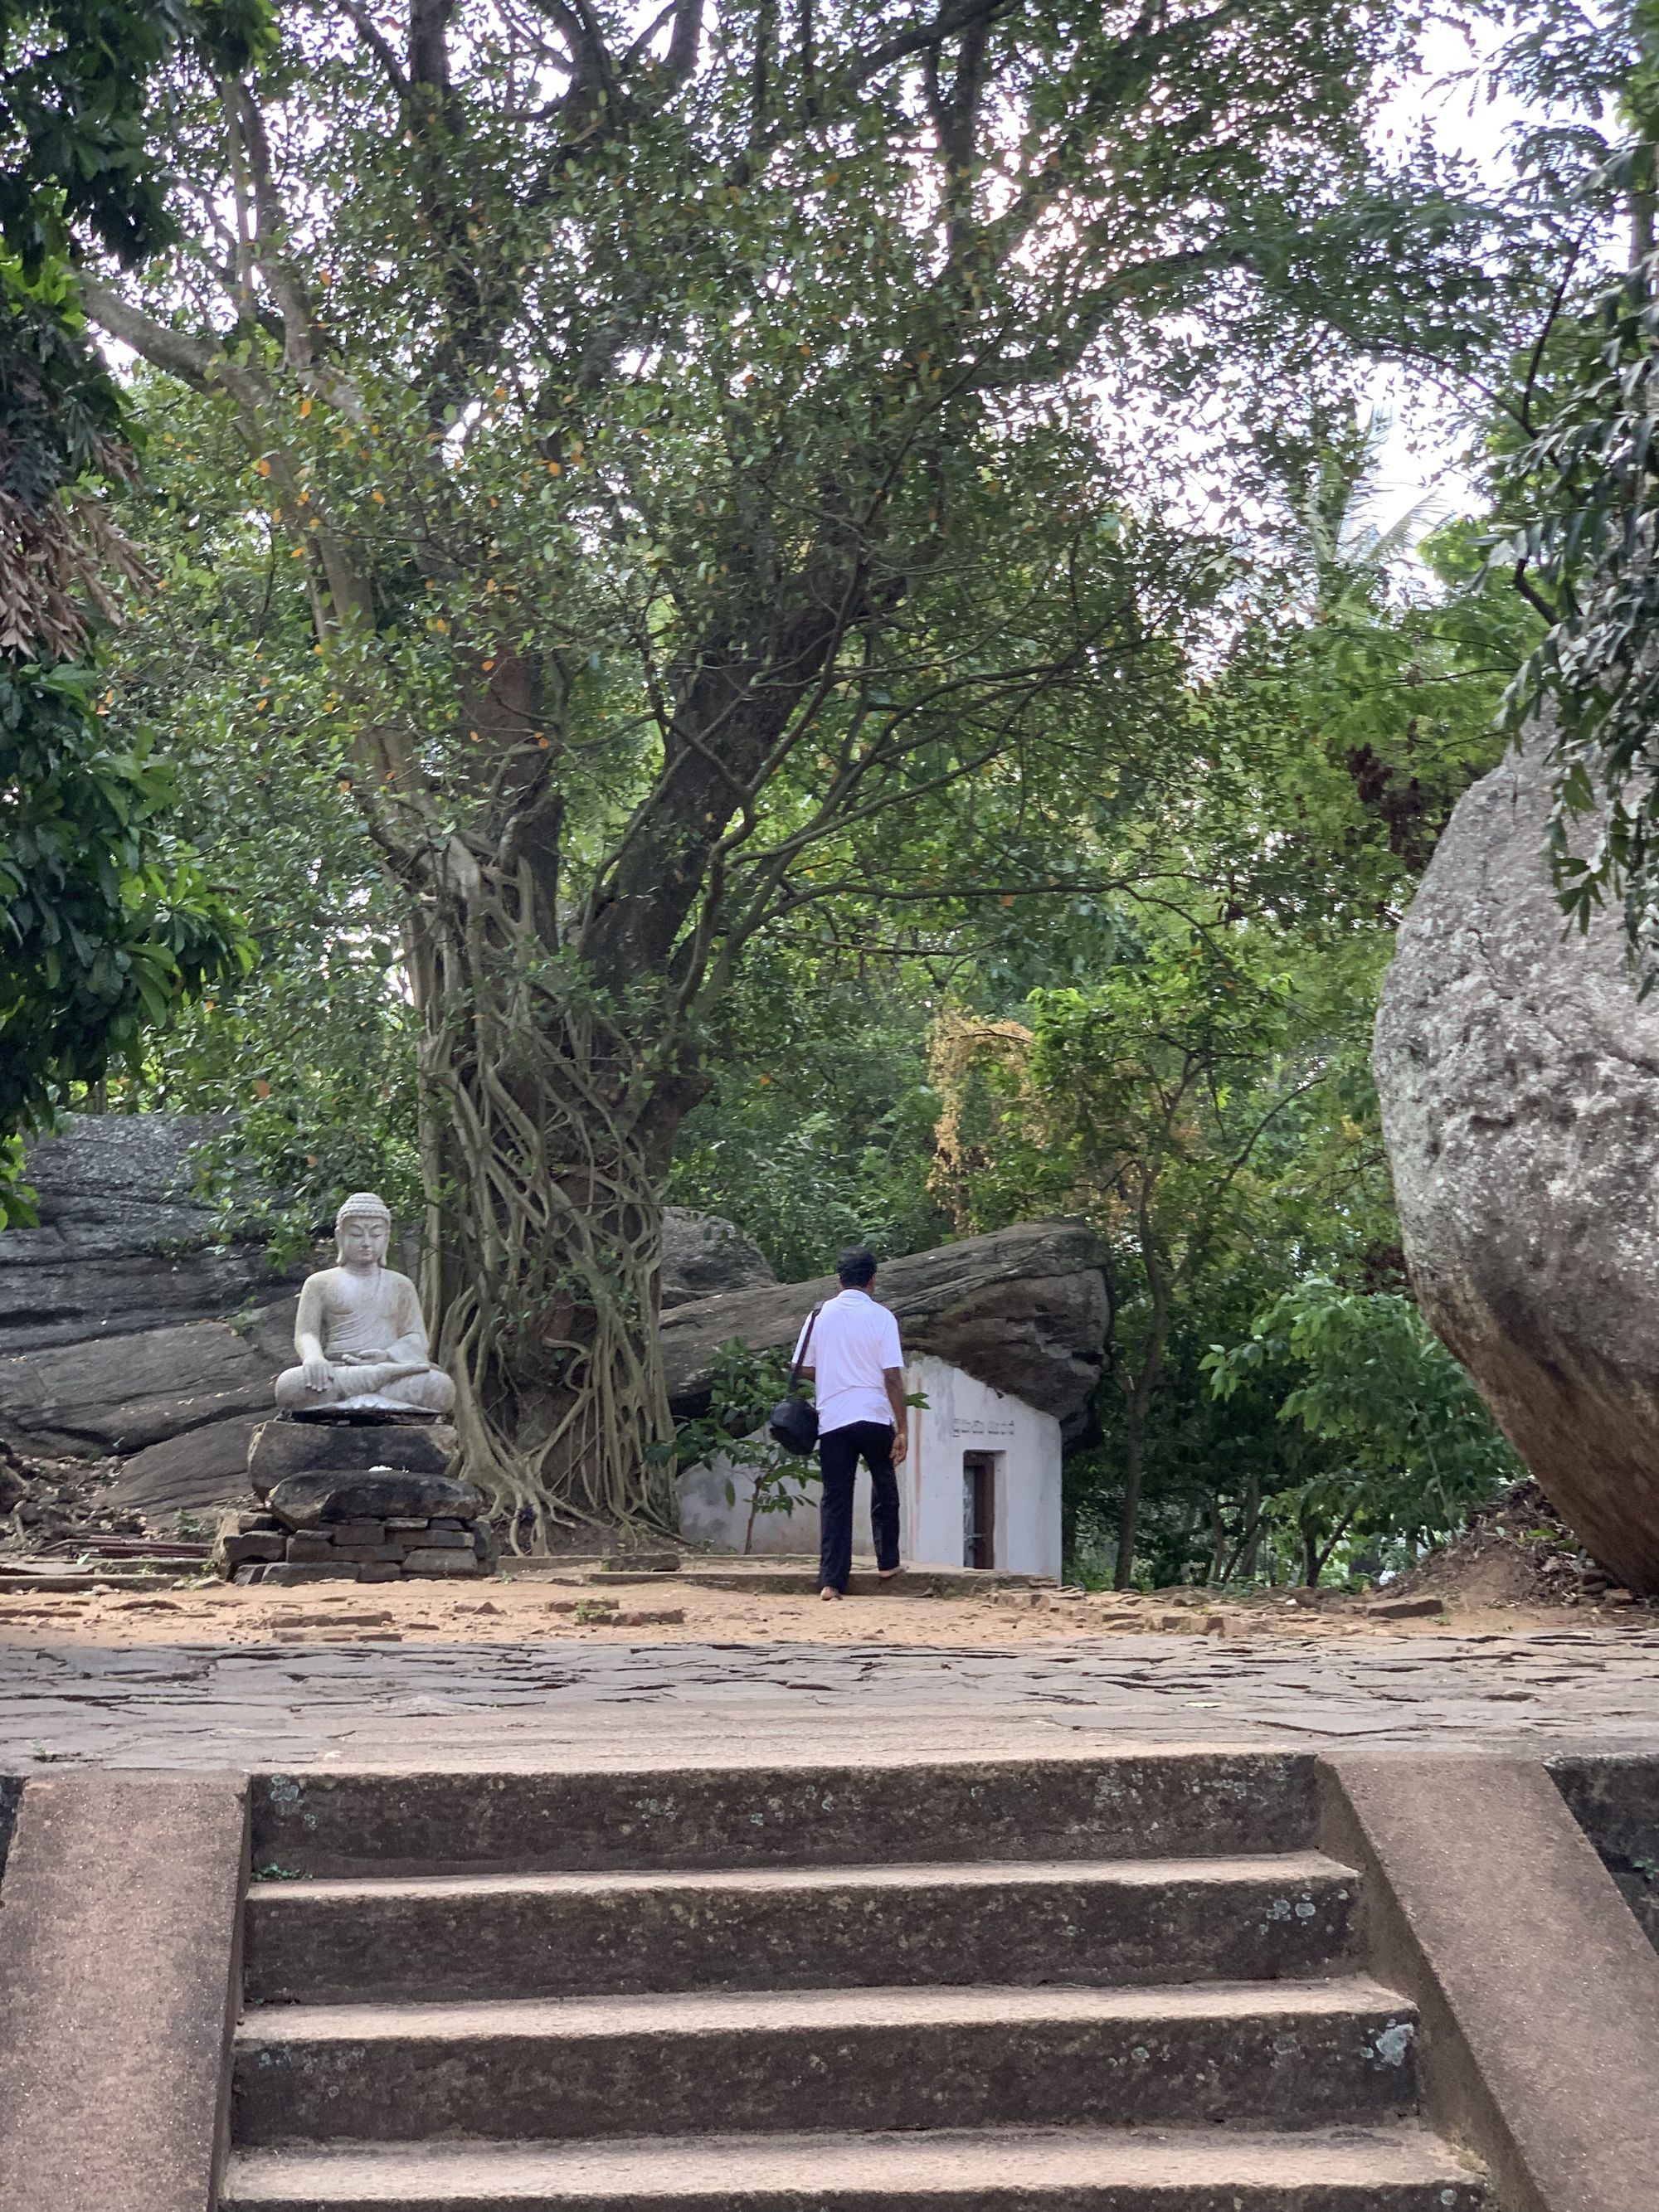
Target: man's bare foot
827	1594
887	1574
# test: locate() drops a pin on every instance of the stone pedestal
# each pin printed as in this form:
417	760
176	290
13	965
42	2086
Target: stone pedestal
355	1499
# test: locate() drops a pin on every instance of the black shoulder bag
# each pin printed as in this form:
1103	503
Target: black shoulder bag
794	1422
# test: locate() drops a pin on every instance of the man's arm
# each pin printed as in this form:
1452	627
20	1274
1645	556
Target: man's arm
894	1378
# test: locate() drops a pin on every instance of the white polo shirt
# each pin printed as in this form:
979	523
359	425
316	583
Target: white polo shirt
854	1341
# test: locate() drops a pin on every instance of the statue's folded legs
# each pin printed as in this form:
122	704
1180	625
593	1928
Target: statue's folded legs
428	1389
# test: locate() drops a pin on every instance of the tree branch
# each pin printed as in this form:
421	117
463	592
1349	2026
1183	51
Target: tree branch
688	37
950	22
364	24
272	228
428	46
199	362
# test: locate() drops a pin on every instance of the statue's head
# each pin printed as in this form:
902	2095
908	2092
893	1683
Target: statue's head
362	1230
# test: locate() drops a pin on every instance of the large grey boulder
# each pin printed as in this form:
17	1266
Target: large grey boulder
120	1394
1023	1309
124	1243
704	1254
177	1405
195	1472
1519	1079
113	1312
195	1464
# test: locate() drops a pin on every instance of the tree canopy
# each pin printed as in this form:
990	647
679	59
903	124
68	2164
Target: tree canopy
105	925
764	605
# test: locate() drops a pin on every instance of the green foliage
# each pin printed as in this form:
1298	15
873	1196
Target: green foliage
743	1388
105	923
1402	1448
76	150
1143	1077
1591	479
57	406
817	1132
1204	1096
1354	715
745	1385
1577	485
796	351
316	1050
1156	1090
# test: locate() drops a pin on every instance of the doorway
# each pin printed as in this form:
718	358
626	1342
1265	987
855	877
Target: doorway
979	1508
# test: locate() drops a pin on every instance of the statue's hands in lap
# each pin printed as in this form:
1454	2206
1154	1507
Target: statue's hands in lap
318	1374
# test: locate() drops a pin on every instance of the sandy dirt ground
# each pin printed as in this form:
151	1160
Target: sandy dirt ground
1516	1570
528	1610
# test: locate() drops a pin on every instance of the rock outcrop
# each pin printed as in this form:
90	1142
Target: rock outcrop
123	1394
703	1255
114	1335
1023	1309
123	1245
113	1317
1519	1079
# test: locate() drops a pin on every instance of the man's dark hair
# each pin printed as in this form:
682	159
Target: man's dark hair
855	1267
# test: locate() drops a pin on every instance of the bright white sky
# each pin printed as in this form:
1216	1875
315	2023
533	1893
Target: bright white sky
1417	465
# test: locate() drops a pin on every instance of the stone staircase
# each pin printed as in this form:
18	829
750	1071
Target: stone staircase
1116	1984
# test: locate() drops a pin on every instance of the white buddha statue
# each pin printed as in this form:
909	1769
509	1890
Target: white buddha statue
359	1333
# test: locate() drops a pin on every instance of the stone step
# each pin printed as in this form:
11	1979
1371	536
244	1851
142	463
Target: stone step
1295	2053
1150	1804
1401	2168
1124	1922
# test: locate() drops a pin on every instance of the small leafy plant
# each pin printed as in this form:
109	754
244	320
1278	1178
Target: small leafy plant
745	1386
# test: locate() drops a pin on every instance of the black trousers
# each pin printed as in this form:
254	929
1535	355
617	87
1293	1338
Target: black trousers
839	1453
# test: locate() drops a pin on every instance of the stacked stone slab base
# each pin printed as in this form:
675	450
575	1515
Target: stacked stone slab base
350	1500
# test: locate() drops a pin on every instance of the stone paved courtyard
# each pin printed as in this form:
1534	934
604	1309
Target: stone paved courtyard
363	1702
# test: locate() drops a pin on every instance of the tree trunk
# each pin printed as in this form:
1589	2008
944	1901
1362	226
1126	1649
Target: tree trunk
543	1135
1321	1555
1134	1469
1220	1546
1249	1550
1241	1560
1310	1558
1158	1287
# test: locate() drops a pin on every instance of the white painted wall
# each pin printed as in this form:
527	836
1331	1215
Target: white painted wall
961	1415
707	1517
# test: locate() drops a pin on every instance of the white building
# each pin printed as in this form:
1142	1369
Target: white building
980	1487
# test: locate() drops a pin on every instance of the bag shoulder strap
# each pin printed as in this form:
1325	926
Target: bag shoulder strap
806	1346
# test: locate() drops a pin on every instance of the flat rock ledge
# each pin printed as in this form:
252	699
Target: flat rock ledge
390	1511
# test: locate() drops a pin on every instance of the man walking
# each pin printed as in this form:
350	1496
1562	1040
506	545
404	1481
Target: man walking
858	1371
